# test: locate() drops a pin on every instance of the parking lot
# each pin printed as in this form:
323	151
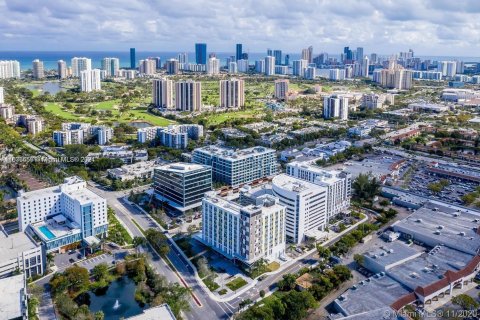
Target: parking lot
452	193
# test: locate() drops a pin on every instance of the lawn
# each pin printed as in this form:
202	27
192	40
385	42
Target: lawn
137	114
236	284
55	108
272	266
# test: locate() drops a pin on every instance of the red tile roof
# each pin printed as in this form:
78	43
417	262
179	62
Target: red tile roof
403	301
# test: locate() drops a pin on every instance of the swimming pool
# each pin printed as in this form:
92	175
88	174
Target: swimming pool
46	232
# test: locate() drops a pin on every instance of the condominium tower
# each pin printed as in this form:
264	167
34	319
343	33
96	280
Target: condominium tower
232	93
246	233
37	69
162	93
188	95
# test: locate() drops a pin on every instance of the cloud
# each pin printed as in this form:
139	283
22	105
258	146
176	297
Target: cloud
430	27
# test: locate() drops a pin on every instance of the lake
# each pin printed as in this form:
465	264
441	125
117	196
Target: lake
52	87
118	301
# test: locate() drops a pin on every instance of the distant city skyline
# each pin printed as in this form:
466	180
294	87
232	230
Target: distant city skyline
429	27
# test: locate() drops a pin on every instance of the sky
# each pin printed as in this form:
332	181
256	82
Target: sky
429	27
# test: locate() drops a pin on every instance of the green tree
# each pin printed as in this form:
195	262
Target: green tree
297	304
78	279
100	272
287	282
465	301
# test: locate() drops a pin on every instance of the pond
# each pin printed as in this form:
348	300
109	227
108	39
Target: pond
140	124
118	301
52	87
8	193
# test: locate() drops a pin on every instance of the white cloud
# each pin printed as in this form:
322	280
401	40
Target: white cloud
428	26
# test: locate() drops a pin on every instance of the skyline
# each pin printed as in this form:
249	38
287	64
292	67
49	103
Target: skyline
425	26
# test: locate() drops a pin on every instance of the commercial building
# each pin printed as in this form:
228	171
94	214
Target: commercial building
246	233
338	184
37	69
139	170
13	304
281	89
335	106
188	95
182	185
20	252
162	93
213	66
9	69
63	214
90	80
269	66
79	65
62	69
237	167
232	93
111	66
306	206
162	311
201	53
118	152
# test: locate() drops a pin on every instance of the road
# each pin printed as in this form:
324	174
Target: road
210	308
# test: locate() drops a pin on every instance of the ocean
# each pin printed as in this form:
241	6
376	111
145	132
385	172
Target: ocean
50	58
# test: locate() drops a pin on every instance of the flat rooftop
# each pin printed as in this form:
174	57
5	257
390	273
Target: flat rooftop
293	184
162	312
391	253
84	196
55	227
444	225
13	291
231	154
429	267
182	167
371	294
14	244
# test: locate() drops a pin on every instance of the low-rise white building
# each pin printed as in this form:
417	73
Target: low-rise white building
20	252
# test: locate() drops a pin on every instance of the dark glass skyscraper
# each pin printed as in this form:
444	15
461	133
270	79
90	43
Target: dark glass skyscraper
133	64
239	51
201	53
278	57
